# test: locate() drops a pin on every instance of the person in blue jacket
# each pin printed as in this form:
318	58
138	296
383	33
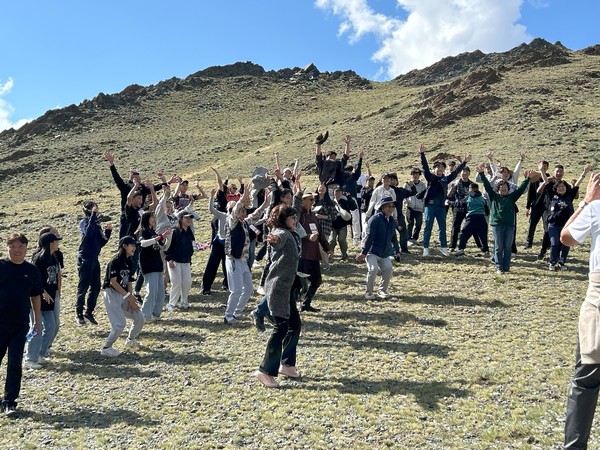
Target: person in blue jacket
379	244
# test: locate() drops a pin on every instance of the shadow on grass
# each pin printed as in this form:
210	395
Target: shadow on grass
452	300
85	418
427	394
335	322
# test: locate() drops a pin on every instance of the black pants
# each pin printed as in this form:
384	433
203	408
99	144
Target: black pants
475	226
89	278
581	404
534	218
402	232
12	339
217	256
312	283
283	342
415	219
458	216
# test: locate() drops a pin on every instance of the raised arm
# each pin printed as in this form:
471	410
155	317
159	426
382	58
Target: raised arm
201	193
587	169
277	162
150	187
132	192
219	179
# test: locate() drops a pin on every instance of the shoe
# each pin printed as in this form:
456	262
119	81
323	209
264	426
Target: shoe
425	252
486	255
527	246
170	307
382	294
308	308
150	319
321	138
552	267
255	265
499	272
32	365
112	352
540	257
205	293
80	319
185	307
43	360
258	321
370	296
459	252
9	410
230	321
452	250
261	290
91	318
132	343
444	251
155	318
410	242
562	266
344	258
288	371
266	380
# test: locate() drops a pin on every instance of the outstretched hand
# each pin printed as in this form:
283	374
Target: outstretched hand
110	157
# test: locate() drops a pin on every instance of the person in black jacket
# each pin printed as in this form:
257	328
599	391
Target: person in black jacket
535	204
178	255
93	238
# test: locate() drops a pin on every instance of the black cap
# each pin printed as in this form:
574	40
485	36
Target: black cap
127	240
47	238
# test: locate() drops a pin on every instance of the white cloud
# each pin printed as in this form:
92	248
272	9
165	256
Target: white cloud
6	109
433	29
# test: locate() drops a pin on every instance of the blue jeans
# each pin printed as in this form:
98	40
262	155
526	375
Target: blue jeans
38	346
558	251
262	309
503	239
438	213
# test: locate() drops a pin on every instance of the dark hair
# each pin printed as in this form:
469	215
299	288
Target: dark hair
88	205
501	183
278	215
145	220
439	164
14	237
558	182
546	163
331	153
416	170
286	191
559	166
474	186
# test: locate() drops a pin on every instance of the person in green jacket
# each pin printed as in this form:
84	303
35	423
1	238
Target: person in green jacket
502	217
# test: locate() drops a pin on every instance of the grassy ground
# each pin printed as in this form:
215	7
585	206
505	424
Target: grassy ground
459	358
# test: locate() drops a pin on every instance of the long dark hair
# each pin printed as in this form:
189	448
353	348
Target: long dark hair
278	216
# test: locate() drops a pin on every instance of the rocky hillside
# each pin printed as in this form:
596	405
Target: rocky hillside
541	97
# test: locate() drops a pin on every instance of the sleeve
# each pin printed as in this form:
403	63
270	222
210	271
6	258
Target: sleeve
425	164
582	226
37	287
118	180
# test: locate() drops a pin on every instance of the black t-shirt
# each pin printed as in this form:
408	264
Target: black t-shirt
18	282
150	259
132	214
119	267
49	269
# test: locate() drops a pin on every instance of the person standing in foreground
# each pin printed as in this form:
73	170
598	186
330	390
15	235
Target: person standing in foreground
585	384
20	291
379	244
281	290
119	301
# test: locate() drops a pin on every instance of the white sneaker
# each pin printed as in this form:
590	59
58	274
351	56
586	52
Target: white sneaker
32	365
425	252
170	307
382	294
444	251
261	290
132	343
43	359
112	352
370	296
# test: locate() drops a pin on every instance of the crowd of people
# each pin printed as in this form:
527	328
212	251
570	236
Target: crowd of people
274	218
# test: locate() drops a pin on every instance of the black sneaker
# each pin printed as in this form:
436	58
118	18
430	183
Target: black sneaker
205	293
80	319
258	321
10	410
308	308
91	318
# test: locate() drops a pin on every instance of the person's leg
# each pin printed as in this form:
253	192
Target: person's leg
324	258
137	324
251	252
429	218
509	234
290	342
372	269
262	309
513	247
247	289
151	284
212	266
458	216
342	236
535	215
56	311
315	279
265	271
113	303
441	221
333	237
581	403
554	235
48	333
418	224
85	273
497	233
94	288
35	344
403	235
175	293
356	226
236	285
159	299
410	222
385	264
14	340
186	284
272	359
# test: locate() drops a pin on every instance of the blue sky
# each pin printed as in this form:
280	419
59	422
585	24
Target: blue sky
56	53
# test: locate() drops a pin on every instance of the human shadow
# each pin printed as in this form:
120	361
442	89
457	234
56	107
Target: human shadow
452	300
427	394
86	418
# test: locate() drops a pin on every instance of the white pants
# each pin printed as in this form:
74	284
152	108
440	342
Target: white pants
239	280
356	226
375	264
181	283
118	313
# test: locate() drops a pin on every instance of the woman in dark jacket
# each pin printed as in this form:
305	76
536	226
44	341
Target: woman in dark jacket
281	289
179	262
